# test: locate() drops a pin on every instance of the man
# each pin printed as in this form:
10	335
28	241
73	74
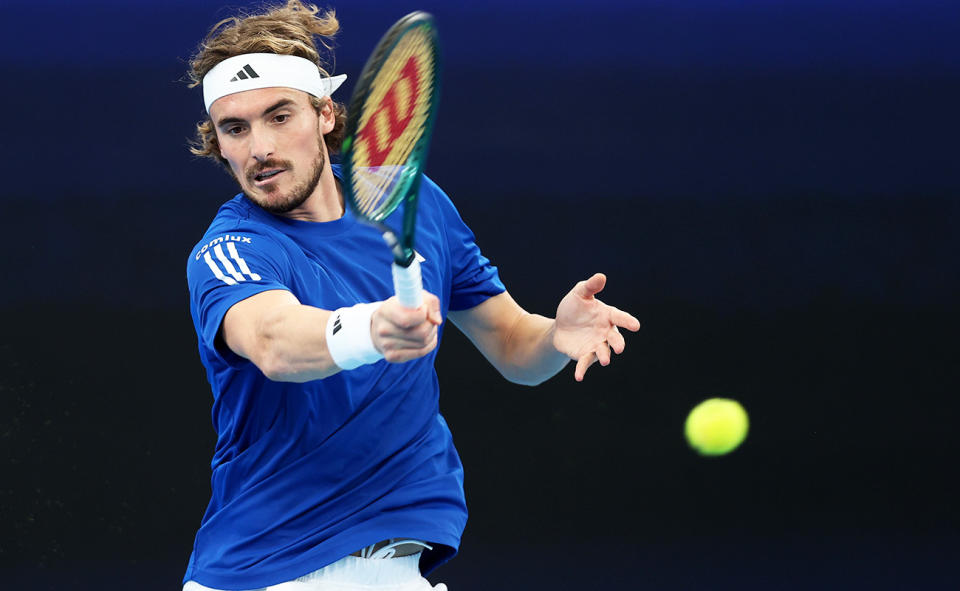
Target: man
333	467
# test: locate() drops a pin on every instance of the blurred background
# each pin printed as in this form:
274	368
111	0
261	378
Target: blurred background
770	186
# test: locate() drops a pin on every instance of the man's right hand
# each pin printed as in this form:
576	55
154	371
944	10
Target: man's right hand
402	334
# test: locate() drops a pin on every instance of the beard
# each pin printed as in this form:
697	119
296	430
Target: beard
272	200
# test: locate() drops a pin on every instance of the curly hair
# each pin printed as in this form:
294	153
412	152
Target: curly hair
287	29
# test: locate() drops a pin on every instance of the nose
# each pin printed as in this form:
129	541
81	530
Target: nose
262	145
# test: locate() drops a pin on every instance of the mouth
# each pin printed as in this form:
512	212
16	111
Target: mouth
267	176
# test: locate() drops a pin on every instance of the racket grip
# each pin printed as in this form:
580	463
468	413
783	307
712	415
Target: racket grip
408	284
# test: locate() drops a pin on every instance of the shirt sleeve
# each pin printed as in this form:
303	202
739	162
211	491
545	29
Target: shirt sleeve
474	278
226	268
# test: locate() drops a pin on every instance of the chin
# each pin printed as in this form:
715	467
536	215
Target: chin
276	202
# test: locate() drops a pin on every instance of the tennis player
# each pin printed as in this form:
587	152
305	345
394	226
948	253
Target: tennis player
333	468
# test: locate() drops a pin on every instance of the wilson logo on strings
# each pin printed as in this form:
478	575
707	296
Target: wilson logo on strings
387	123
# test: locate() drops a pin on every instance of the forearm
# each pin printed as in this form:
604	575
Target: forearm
291	344
529	356
530	349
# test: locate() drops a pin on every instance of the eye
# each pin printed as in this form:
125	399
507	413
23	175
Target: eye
281	118
234	130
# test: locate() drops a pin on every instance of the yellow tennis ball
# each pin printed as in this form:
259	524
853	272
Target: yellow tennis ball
716	426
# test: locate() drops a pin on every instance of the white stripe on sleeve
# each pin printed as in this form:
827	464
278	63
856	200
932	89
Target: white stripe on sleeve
216	270
240	262
218	250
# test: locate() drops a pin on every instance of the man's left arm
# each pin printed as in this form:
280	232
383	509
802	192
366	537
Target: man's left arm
529	349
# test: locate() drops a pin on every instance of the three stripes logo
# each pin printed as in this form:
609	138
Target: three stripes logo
336	325
236	268
246	72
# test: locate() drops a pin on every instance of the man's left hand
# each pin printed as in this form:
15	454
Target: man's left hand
587	329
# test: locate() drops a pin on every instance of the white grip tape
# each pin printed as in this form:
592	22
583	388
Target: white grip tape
348	336
408	284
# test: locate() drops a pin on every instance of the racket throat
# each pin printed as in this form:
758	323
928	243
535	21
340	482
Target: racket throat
403	255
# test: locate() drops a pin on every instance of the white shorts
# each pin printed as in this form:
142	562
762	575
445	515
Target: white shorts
352	573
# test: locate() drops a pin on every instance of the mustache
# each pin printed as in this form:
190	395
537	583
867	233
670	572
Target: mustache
253	171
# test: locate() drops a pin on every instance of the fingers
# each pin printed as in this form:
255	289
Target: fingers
396	351
601	354
432	304
429	311
411	338
620	318
587	322
404	318
616	341
416	330
582	364
591	286
402	334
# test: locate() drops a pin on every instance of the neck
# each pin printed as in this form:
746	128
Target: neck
325	204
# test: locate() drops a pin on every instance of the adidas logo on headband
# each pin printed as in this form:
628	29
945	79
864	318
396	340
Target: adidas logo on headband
250	73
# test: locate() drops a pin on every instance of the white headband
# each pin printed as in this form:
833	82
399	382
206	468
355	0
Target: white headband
251	71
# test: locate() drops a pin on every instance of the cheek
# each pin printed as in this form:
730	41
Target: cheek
307	144
227	145
234	166
237	171
231	156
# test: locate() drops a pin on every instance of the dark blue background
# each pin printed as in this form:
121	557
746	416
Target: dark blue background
771	187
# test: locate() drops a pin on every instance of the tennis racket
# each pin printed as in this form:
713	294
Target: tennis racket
387	136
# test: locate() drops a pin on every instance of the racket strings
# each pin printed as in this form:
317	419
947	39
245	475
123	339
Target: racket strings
387	171
394	117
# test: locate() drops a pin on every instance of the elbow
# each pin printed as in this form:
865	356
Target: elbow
274	368
268	352
272	362
527	382
279	367
521	378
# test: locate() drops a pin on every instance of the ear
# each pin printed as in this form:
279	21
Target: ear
328	118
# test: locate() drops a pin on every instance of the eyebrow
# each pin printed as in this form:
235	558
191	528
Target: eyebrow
277	105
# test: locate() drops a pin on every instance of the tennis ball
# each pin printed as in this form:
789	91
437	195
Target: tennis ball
716	426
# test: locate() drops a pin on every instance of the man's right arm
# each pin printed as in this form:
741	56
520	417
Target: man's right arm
287	341
282	337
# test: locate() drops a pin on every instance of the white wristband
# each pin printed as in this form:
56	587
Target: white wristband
348	336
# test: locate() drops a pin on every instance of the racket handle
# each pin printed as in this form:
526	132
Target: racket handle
408	284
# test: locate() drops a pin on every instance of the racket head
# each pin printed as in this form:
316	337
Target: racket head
390	120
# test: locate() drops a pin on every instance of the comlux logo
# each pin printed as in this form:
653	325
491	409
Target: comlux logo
220	240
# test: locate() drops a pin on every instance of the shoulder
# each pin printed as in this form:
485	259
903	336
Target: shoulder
431	190
435	200
235	226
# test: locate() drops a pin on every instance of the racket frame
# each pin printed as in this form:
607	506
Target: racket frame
408	186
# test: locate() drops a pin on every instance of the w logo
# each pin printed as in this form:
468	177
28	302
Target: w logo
387	123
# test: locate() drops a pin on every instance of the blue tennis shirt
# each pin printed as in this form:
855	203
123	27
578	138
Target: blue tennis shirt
304	474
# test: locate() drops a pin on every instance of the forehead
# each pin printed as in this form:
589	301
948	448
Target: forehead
252	103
